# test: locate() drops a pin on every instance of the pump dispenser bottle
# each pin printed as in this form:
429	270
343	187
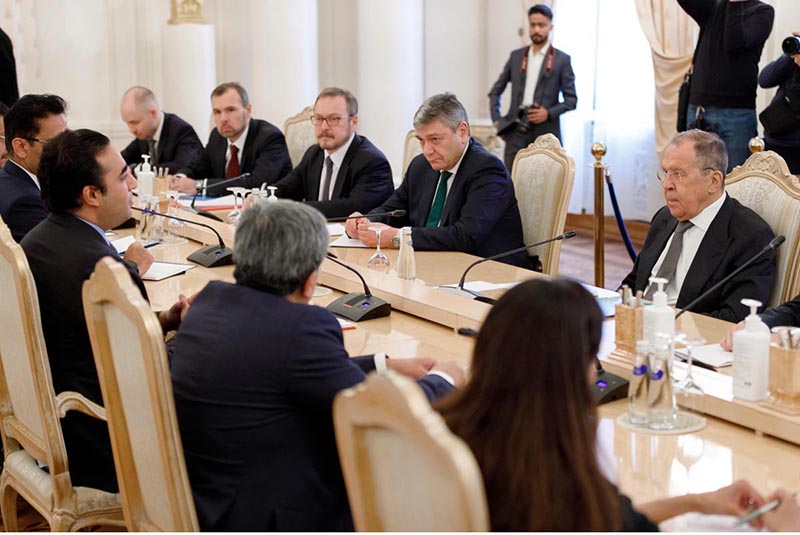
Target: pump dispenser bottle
144	178
660	317
751	356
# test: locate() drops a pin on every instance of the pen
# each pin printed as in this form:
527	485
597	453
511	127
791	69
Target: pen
764	509
153	244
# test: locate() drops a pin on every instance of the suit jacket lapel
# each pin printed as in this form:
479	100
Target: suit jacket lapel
429	184
705	262
217	152
458	183
314	174
341	176
166	138
649	256
245	161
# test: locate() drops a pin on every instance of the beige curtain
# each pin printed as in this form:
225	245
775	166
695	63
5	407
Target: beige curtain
671	34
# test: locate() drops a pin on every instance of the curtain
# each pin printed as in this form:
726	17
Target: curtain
670	33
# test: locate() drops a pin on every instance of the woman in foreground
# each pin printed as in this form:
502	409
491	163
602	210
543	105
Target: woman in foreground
529	417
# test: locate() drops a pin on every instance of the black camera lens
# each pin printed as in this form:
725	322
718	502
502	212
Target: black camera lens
791	45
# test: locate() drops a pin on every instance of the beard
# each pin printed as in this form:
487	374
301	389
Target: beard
538	39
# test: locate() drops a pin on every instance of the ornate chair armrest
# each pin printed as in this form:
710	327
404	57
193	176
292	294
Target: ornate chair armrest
73	401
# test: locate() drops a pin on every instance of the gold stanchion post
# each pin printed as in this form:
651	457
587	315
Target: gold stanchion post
756	144
598	151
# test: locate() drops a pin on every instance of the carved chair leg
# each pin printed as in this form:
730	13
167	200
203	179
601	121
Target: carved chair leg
8	507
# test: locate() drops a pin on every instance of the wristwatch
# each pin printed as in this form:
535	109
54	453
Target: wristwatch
396	240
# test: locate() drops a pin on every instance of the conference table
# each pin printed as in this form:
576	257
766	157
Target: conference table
424	321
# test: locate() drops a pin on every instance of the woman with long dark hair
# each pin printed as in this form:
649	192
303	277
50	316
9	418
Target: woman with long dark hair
529	417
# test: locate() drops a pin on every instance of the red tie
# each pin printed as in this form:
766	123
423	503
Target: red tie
233	165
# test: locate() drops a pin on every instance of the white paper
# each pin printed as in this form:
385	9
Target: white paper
344	241
600	293
122	244
345	324
216	202
335	229
483	286
162	270
711	354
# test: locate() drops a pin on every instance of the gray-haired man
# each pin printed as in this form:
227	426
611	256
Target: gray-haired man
255	370
456	194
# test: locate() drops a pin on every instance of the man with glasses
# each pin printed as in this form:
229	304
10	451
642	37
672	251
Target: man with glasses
239	144
344	172
703	234
29	124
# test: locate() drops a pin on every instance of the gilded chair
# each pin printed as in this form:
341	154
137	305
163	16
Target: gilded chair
764	184
403	468
30	413
299	133
131	360
485	134
543	174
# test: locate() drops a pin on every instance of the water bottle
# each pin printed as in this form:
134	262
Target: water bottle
662	410
406	264
637	392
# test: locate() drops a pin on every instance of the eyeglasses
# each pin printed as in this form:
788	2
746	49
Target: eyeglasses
677	176
35	140
332	120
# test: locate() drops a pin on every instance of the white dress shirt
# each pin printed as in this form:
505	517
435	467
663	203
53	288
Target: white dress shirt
454	171
33	177
691	243
535	60
337	158
239	145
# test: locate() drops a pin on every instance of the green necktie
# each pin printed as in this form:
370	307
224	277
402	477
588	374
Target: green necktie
435	214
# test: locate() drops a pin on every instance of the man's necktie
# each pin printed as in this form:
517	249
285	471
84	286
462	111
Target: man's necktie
151	150
326	186
233	165
435	215
670	263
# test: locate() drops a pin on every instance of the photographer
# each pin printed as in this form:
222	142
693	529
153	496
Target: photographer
780	118
538	74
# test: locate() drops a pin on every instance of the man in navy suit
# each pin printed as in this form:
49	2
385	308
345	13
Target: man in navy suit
538	74
86	186
170	141
29	124
239	144
255	369
456	194
3	151
344	172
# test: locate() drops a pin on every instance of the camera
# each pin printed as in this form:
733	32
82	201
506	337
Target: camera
791	45
523	124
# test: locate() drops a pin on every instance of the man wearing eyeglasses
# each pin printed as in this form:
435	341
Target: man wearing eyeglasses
703	234
29	124
239	144
344	172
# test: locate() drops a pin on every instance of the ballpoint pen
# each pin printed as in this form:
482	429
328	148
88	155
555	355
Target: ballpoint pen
764	509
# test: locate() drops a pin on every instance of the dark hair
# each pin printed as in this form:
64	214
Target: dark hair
3	109
69	163
221	89
528	413
22	119
541	9
349	98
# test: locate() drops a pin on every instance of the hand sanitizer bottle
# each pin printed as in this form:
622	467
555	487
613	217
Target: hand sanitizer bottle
637	392
751	356
660	317
144	178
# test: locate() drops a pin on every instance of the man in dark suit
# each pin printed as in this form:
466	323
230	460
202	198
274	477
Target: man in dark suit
3	151
29	124
239	144
86	193
702	234
456	194
255	369
9	92
170	141
345	172
538	73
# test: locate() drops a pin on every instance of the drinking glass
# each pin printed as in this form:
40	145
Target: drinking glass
236	213
688	385
378	261
171	234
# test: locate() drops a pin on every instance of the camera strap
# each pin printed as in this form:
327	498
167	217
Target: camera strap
549	60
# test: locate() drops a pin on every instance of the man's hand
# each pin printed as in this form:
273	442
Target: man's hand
727	342
538	114
366	233
182	184
786	517
735	500
453	370
171	319
414	368
140	256
351	225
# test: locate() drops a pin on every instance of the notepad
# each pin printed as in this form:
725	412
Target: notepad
335	229
344	241
163	270
346	325
711	354
209	203
122	244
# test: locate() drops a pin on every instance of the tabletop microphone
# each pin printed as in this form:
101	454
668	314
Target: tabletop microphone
774	244
358	306
199	188
484	299
393	213
208	256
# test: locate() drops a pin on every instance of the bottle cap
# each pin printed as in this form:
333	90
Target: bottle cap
752	321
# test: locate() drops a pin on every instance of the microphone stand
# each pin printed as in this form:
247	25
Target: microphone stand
393	213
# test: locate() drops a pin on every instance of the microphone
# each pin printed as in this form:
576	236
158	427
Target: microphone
199	188
208	256
774	244
393	213
482	298
358	306
608	387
